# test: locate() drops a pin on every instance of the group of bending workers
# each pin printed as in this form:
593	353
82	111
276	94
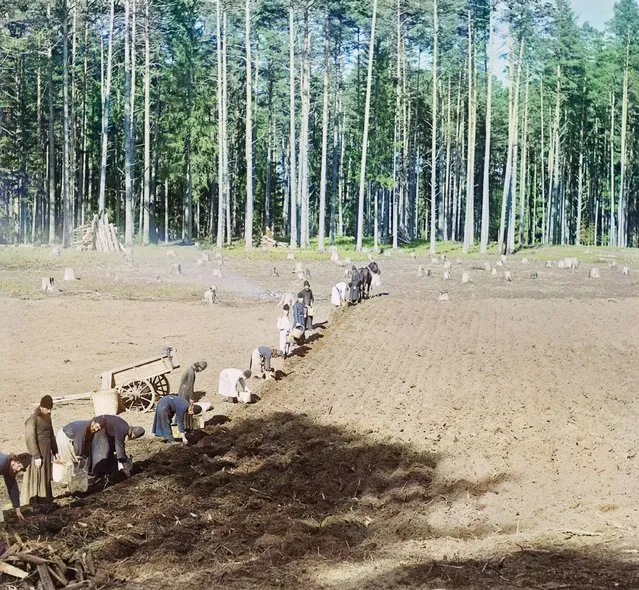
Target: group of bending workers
98	444
177	412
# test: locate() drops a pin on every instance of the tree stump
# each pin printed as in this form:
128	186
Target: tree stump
413	255
500	263
170	253
420	271
387	253
533	275
508	276
561	264
524	261
299	269
613	265
503	259
176	268
594	273
446	275
307	274
290	256
276	273
300	276
443	296
465	278
447	265
548	264
47	284
626	271
69	275
494	272
487	266
217	272
458	261
434	261
55	251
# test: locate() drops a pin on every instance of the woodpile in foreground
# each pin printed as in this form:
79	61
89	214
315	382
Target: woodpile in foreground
31	564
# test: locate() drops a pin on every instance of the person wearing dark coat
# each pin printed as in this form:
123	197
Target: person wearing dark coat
354	285
41	444
307	295
74	442
168	407
187	383
299	311
108	448
10	466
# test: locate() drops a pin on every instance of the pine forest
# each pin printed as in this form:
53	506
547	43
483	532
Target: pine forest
383	122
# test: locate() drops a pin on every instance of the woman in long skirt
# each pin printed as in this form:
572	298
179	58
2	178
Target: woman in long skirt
41	443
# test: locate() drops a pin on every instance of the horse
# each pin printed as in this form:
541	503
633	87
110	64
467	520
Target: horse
366	278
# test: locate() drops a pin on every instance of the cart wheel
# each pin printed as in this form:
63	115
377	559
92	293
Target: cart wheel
137	395
160	384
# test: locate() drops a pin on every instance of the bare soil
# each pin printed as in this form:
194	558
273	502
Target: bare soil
488	441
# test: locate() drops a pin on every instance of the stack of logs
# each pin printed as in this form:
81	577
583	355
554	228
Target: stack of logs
37	565
269	242
99	235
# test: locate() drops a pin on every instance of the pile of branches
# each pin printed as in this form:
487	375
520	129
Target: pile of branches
29	564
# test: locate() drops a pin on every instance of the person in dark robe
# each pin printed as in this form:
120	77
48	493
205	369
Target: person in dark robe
354	285
307	295
74	442
41	444
168	407
108	448
187	383
299	317
10	466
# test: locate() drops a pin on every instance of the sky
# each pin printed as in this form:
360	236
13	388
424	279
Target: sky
596	12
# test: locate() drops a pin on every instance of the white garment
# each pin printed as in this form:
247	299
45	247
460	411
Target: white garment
284	326
231	381
338	294
66	451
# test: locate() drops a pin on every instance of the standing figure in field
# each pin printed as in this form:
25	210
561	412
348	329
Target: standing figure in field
168	407
354	285
40	439
299	319
10	466
307	294
232	383
108	449
338	294
260	364
284	329
187	383
74	442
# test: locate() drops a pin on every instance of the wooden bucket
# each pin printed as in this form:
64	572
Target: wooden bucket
106	401
244	397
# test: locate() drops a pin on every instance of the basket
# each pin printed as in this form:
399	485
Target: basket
297	332
244	397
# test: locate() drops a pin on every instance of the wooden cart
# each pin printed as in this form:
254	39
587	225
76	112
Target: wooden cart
141	383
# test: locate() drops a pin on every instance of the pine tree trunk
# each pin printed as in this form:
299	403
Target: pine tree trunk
523	170
469	224
323	171
485	208
304	132
248	130
128	140
367	109
433	158
225	117
612	236
106	106
146	234
292	143
220	132
67	212
622	229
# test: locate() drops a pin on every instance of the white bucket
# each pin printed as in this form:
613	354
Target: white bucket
244	397
58	470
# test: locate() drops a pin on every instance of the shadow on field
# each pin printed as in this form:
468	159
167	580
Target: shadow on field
270	502
547	568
